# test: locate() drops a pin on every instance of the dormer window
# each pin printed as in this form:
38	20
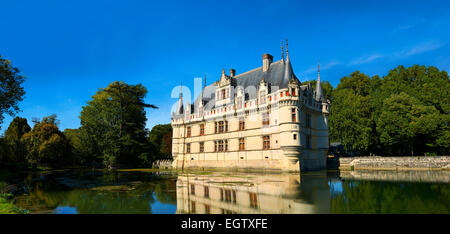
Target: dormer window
239	103
262	96
223	93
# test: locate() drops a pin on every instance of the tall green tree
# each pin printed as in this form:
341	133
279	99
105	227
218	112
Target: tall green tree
13	135
407	126
114	122
351	119
161	139
80	151
46	144
11	90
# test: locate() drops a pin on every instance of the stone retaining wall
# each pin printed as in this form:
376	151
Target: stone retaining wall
427	176
395	163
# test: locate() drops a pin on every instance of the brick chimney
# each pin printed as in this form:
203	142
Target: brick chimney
232	72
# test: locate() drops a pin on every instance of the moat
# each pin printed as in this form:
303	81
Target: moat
170	192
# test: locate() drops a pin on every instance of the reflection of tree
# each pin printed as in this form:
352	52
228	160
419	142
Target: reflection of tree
47	193
383	197
165	192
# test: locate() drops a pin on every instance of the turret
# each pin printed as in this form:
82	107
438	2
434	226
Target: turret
318	94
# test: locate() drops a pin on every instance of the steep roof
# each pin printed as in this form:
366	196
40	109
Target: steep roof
278	75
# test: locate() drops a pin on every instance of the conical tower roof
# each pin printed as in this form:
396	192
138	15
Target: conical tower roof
319	92
180	107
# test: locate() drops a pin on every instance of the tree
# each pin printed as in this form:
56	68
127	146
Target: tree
406	112
351	119
16	149
11	91
406	126
79	151
45	144
114	122
425	93
161	139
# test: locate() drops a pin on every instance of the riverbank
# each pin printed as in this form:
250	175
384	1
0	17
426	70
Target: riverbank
6	195
395	163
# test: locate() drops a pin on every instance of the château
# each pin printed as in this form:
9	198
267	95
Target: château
260	119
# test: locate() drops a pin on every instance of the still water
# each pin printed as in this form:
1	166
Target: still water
168	192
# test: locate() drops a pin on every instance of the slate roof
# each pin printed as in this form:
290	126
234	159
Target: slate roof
275	76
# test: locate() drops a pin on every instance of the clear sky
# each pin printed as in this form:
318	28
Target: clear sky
69	49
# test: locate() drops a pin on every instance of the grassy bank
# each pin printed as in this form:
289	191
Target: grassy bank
6	198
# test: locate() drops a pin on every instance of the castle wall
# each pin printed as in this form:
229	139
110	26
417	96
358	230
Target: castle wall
288	151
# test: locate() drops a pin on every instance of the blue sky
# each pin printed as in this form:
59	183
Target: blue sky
69	49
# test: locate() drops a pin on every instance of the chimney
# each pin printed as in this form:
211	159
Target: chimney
267	60
232	72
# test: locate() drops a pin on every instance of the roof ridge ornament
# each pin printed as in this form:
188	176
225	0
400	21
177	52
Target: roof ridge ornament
287	49
282	52
288	71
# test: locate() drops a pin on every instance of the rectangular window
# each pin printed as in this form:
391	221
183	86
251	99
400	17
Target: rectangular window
192	207
295	136
262	97
215	127
223	93
226	145
188	147
202	147
293	91
227	195
206	191
220	146
188	131
241	143
294	115
221	127
192	189
207	209
226	126
265	119
234	196
215	146
202	129
253	200
266	142
241	124
221	194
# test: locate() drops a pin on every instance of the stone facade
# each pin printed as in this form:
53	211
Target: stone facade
395	163
261	119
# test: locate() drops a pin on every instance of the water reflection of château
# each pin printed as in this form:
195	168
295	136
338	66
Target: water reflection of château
236	193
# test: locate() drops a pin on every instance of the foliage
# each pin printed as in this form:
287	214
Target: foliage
161	139
6	206
77	148
405	113
11	91
351	119
113	124
406	125
15	149
45	144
